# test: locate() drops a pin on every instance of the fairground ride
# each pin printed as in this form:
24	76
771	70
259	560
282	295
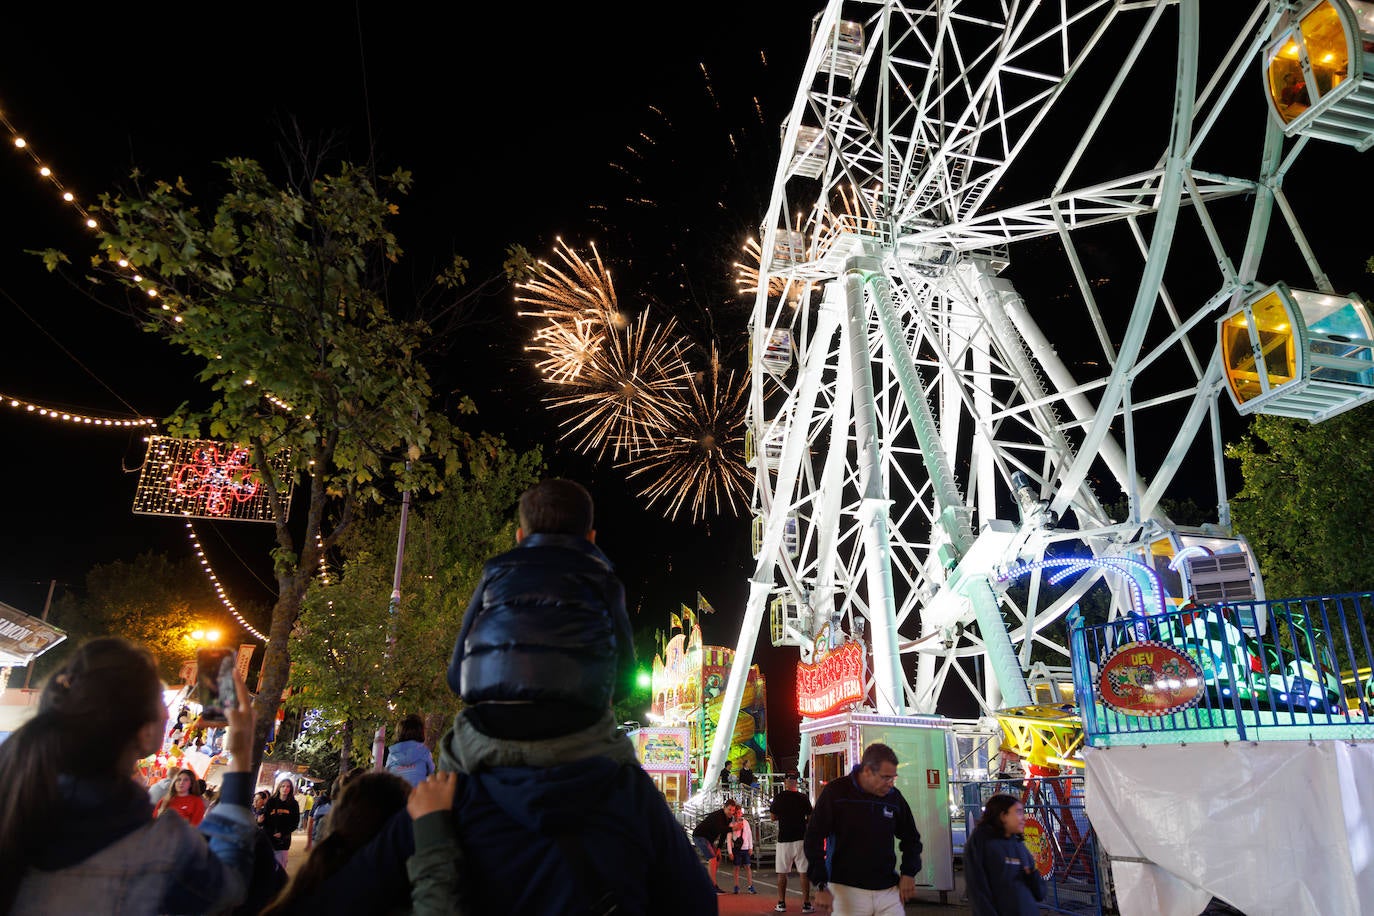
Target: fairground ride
1014	253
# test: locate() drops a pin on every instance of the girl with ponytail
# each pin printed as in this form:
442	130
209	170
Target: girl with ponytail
77	833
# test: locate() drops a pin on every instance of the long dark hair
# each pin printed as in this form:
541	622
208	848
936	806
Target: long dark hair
90	711
993	809
366	803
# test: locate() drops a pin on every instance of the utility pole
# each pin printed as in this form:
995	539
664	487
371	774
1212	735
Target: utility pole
47	605
379	742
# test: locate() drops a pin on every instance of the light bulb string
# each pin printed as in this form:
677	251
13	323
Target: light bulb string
219	586
72	416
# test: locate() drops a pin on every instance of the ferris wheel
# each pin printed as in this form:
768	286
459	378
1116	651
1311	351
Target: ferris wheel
1001	242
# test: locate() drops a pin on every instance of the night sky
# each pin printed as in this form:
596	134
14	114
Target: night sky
652	131
654	136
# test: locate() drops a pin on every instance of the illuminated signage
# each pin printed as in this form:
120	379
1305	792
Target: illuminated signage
661	749
202	478
838	679
1149	678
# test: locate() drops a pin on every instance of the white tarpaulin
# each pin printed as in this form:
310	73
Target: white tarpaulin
1272	828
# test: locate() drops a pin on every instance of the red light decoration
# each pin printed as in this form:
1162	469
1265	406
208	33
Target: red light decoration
206	479
837	680
222	482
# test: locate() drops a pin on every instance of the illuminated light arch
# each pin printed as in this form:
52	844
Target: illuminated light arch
1144	580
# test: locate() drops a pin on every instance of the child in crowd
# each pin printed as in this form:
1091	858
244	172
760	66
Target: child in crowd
546	645
281	817
739	844
408	758
539	806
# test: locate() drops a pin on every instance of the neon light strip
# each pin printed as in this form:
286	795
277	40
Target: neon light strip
52	413
219	586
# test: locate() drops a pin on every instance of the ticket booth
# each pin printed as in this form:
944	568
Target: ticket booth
1298	353
1319	72
921	743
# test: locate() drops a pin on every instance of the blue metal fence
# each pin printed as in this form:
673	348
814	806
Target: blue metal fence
1290	669
1074	883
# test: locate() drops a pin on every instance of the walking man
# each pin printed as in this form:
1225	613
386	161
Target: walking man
791	809
849	840
709	835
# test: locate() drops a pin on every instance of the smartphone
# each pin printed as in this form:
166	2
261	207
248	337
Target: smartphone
215	684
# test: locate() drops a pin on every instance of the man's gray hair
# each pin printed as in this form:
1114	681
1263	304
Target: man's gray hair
877	754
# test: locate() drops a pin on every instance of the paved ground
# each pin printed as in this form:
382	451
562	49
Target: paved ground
765	882
746	904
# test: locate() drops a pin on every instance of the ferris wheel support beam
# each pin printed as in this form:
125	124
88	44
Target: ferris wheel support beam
778	507
1007	315
889	693
1147	294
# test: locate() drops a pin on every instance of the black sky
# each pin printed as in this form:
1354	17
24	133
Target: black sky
519	124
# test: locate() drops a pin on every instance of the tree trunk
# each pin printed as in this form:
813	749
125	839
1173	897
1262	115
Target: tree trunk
346	748
276	662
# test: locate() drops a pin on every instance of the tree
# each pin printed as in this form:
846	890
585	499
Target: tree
152	600
356	663
1304	504
279	292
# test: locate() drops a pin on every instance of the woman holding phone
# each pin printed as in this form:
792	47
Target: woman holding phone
77	833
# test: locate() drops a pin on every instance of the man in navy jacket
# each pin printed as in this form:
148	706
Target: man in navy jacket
849	841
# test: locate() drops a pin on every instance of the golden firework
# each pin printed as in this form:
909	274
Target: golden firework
698	461
626	390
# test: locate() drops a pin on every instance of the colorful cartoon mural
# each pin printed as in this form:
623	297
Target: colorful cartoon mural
688	686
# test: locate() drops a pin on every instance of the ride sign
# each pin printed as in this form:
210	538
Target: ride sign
1038	842
836	680
1149	678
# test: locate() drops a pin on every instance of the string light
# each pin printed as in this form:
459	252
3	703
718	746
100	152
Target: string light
219	586
67	416
46	172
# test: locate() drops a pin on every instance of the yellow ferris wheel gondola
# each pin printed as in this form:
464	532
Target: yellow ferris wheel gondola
1298	353
1319	72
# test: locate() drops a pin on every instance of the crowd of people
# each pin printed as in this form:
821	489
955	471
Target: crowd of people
536	804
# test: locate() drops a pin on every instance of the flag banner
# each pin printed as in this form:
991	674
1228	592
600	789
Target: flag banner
704	606
675	621
245	659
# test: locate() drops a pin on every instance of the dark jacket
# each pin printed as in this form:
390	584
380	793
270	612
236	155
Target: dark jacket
281	817
995	874
849	839
102	852
547	624
618	838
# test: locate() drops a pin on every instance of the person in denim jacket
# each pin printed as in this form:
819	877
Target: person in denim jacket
77	834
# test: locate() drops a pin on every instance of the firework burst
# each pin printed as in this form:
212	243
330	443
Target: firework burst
576	307
626	392
698	460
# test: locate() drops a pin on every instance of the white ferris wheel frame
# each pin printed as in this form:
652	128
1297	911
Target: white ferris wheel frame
913	356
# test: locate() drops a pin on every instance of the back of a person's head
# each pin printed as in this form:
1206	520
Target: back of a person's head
365	804
556	506
412	729
90	712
